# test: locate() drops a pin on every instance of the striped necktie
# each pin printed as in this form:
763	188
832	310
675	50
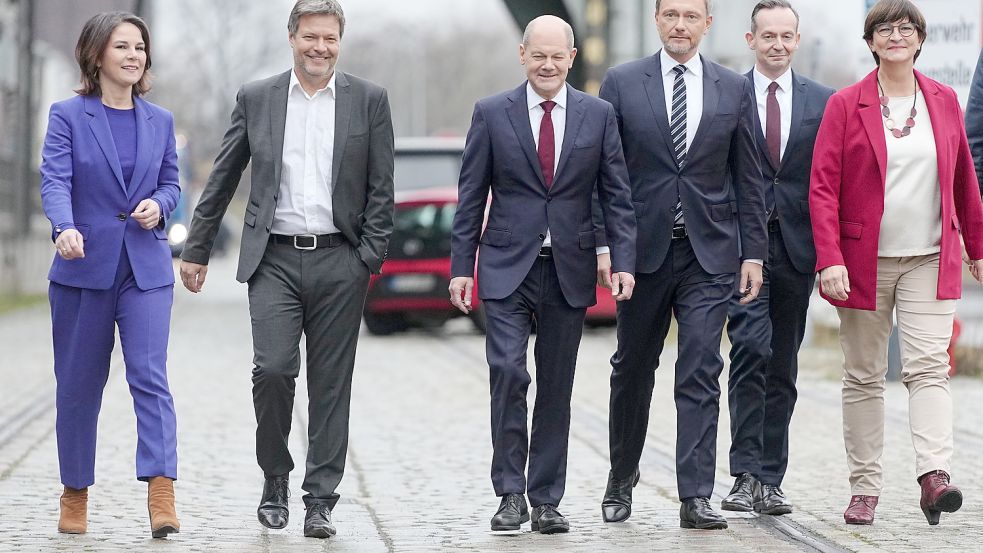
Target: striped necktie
677	130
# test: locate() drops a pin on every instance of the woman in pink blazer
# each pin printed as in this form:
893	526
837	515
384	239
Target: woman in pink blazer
893	186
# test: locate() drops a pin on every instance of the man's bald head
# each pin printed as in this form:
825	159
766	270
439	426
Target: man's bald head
548	24
547	53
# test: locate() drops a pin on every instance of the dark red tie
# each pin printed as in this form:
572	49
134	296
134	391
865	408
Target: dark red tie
773	126
547	143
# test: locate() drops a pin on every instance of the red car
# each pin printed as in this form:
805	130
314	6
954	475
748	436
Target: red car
412	289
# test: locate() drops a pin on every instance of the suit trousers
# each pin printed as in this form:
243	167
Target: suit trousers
320	294
765	337
907	285
699	301
559	328
84	324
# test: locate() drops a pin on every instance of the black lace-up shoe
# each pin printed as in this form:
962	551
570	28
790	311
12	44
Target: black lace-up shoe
741	497
273	512
317	523
770	500
511	513
696	512
547	520
616	505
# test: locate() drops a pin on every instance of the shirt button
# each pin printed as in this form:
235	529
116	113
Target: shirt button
776	180
121	216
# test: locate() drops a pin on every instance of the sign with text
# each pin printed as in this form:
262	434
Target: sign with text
952	48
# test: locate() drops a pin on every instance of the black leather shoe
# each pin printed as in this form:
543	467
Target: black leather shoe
696	512
512	512
770	500
272	510
741	497
616	505
547	520
317	523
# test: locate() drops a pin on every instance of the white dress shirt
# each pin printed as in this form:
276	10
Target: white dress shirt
304	203
559	118
784	97
693	77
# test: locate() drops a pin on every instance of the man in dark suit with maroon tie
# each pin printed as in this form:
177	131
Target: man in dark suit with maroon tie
541	150
765	335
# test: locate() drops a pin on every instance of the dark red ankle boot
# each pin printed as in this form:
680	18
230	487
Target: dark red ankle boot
938	495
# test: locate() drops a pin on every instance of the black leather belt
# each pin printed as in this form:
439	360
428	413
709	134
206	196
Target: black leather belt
546	251
309	241
678	232
773	225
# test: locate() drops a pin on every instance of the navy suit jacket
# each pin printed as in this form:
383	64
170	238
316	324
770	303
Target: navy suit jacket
974	119
82	188
720	185
500	156
790	181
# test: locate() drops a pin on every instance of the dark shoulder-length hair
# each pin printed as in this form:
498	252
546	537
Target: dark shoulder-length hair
889	11
92	43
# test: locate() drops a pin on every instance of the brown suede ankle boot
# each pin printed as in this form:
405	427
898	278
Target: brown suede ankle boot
160	504
74	511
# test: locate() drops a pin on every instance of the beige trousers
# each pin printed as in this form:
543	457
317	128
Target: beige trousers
908	285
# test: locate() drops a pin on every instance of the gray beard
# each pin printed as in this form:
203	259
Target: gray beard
678	51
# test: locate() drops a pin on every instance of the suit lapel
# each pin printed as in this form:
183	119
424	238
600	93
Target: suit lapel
518	112
655	91
575	118
342	123
870	114
278	121
937	114
711	97
758	134
800	95
146	141
99	124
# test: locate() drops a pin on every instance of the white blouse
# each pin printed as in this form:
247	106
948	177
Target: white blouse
912	198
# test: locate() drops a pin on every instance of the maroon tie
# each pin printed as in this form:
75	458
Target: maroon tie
773	126
547	143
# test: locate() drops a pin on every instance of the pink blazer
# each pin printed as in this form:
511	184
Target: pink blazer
846	193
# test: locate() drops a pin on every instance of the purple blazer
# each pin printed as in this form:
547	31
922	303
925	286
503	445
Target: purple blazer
82	188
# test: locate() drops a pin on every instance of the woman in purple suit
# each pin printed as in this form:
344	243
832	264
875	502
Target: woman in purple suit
109	179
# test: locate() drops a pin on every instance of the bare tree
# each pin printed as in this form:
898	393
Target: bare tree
206	51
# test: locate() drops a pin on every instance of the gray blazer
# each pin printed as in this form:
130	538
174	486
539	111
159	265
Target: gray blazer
362	171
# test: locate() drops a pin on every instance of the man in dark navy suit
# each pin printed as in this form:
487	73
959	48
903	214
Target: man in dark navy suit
687	129
765	335
542	150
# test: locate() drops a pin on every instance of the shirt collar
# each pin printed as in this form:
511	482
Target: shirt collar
694	65
761	82
533	99
295	84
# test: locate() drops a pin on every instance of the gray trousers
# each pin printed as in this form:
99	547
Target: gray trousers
319	293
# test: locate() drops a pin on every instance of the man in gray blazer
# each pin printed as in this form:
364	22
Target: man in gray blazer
318	221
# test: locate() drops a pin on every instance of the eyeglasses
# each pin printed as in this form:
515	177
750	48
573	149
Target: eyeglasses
904	29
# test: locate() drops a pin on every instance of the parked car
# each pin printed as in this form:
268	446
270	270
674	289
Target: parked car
426	162
412	289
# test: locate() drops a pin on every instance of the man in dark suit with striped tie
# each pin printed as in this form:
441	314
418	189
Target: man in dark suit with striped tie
686	125
765	335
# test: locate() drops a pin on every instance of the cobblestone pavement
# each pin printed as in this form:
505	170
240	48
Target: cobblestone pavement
417	477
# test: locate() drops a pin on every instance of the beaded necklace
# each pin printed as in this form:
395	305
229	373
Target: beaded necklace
886	112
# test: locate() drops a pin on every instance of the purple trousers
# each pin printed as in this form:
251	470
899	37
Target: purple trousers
83	327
